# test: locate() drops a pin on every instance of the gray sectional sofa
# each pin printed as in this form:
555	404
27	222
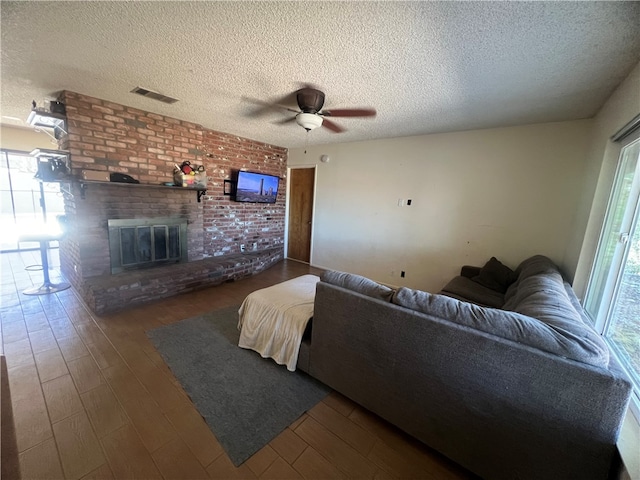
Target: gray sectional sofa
500	372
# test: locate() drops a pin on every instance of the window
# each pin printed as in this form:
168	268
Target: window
613	295
25	203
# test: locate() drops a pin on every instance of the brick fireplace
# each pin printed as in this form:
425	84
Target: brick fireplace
109	137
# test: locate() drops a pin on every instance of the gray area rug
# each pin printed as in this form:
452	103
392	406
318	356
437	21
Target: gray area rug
245	399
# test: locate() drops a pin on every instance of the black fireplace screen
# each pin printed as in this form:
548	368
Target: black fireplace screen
140	243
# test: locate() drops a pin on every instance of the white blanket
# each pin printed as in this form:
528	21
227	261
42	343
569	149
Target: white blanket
272	320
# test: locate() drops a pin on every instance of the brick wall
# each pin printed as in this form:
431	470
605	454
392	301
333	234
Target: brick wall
110	137
228	224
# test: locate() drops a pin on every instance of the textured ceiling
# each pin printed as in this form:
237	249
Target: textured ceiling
425	66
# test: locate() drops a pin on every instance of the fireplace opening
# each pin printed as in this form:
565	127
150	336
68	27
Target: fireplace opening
146	242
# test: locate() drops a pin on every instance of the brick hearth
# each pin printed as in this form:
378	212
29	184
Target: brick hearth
109	137
108	293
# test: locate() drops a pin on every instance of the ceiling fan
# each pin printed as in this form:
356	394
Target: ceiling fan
310	115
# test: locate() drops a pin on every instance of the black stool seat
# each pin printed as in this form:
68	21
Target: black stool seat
47	287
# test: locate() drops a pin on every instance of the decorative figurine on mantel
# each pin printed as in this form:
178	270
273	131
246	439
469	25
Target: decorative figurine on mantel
187	175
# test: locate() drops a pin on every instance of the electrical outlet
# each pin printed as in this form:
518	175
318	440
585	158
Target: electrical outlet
242	247
402	273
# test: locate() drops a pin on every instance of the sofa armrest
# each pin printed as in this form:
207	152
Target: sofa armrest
470	271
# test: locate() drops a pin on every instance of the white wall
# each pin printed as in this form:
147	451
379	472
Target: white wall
622	106
506	192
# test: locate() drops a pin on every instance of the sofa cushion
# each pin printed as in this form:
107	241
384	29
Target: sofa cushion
359	284
550	282
467	290
544	296
534	266
538	264
495	275
559	338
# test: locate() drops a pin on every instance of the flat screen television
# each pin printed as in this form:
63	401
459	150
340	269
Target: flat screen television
256	187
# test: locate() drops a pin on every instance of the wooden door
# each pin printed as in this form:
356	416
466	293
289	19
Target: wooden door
300	213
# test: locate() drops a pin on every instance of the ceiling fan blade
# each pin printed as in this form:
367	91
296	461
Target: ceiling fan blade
284	121
286	101
350	112
334	127
266	107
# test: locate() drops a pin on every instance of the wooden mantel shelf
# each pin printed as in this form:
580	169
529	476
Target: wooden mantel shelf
200	191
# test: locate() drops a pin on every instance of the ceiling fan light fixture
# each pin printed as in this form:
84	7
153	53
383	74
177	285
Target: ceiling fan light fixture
309	121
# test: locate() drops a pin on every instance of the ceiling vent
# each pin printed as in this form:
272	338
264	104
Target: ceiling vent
145	92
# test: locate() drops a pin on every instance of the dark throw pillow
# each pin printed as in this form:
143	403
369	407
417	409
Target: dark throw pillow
495	275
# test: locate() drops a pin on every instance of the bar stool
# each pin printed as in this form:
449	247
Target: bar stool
44	239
